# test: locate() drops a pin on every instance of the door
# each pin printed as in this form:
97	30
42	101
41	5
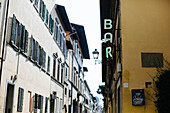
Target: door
9	98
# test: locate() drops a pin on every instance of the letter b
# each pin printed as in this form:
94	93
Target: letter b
107	24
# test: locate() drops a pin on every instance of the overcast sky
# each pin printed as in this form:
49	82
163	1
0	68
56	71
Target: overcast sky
87	13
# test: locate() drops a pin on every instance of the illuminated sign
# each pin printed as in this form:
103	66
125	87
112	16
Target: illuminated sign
108	36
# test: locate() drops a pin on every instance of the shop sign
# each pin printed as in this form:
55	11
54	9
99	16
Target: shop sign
108	36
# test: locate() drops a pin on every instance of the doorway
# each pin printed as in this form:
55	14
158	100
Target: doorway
9	98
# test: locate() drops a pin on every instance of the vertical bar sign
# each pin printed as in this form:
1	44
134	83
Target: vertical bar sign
108	36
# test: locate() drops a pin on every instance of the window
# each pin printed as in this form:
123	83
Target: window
42	9
46	105
48	65
61	104
62	69
148	84
58	71
19	35
51	24
36	3
65	91
20	99
46	17
152	59
40	103
56	32
35	98
54	67
66	74
61	41
57	104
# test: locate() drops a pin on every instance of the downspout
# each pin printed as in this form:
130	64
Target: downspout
4	35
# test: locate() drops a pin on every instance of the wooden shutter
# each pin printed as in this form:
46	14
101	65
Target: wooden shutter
35	102
44	59
41	107
39	101
31	47
41	7
41	56
46	16
20	99
46	105
20	36
44	9
26	42
13	31
50	23
48	67
36	51
23	39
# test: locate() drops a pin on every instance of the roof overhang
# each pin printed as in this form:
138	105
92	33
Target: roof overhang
82	40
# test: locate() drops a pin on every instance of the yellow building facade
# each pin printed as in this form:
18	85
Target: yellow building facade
140	44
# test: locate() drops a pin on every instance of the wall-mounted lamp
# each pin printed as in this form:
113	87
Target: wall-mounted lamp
96	56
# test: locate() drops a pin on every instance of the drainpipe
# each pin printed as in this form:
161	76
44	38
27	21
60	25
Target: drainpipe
5	14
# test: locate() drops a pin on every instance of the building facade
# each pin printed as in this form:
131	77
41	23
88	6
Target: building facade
41	58
138	34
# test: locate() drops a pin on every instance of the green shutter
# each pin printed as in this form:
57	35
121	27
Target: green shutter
46	105
20	99
20	36
23	39
44	59
46	16
44	9
41	107
36	52
31	47
13	31
50	23
36	3
26	42
48	67
41	56
35	102
41	7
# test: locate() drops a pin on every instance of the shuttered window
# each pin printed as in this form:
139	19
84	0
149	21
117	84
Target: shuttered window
43	13
35	98
44	59
64	47
46	17
48	67
58	36
36	3
26	42
58	72
41	7
54	67
57	104
31	47
20	99
36	52
56	32
62	69
61	104
46	105
14	30
40	103
41	56
51	24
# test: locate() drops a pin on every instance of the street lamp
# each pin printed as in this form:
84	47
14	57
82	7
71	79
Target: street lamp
96	56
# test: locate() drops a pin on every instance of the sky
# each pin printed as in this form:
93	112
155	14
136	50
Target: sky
87	13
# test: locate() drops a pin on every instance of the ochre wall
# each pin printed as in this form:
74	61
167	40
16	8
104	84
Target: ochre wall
145	27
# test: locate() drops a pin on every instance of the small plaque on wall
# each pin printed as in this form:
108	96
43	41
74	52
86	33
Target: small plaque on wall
138	97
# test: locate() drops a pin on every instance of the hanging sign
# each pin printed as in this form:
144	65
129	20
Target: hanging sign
108	36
